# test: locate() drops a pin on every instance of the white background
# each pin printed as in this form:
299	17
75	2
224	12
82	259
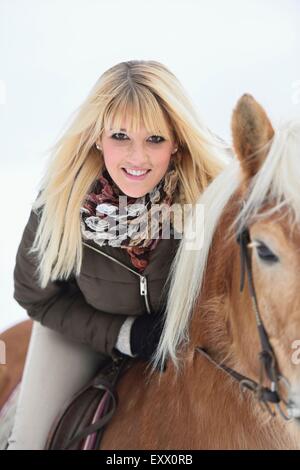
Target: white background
53	51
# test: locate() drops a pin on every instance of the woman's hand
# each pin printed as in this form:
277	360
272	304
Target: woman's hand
145	334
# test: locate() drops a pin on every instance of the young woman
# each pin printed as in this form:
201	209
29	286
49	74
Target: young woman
88	267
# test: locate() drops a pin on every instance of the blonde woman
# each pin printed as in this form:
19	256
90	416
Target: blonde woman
88	271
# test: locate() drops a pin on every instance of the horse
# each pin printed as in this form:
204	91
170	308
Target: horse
232	379
16	341
231	321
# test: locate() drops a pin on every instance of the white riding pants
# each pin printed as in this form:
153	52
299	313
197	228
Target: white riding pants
55	368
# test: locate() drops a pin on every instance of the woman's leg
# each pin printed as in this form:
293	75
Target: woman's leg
55	368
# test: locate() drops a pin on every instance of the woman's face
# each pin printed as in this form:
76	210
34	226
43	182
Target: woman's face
141	153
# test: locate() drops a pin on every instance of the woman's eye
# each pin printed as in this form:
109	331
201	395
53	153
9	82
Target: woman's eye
119	136
156	139
265	254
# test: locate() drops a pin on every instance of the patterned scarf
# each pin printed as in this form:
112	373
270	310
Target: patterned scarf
134	224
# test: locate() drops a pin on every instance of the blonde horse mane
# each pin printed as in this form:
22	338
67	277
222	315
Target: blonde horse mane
278	179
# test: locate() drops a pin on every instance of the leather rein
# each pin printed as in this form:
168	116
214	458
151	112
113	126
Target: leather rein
268	363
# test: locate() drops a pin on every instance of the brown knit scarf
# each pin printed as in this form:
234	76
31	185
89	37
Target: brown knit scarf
134	224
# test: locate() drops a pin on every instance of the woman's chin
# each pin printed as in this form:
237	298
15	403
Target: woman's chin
134	194
135	189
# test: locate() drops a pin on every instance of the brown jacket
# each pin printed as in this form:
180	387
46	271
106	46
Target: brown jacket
91	308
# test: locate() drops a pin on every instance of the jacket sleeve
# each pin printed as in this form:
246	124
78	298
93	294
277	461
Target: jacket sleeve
61	305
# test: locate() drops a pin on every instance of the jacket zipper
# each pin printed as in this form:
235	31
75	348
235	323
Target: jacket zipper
143	279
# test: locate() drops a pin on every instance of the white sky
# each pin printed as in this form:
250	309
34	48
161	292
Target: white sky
53	51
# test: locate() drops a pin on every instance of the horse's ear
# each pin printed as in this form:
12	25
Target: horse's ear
251	132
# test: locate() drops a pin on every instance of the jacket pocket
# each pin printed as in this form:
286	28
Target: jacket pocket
112	296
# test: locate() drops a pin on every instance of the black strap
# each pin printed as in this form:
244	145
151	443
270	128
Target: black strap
107	382
242	239
98	424
266	356
264	394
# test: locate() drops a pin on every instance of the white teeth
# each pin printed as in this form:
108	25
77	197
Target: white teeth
136	172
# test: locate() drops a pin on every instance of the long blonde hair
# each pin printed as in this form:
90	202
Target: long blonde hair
150	94
277	179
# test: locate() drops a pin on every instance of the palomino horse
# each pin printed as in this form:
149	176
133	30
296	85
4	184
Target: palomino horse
232	379
15	341
222	397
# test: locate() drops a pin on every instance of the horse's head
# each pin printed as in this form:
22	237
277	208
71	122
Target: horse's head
270	166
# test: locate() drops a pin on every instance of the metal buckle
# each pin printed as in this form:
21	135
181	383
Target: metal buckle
286	415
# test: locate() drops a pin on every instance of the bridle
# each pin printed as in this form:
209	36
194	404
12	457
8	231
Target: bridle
268	363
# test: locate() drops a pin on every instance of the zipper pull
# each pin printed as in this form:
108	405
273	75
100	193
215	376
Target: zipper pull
143	285
144	292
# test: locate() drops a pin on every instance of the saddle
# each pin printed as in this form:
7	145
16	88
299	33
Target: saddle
81	422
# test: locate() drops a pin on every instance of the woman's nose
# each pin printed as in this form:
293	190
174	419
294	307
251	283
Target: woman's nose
138	154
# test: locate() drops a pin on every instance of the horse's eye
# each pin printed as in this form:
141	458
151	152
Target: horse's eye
265	253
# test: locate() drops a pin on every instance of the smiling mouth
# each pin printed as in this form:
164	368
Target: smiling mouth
135	174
